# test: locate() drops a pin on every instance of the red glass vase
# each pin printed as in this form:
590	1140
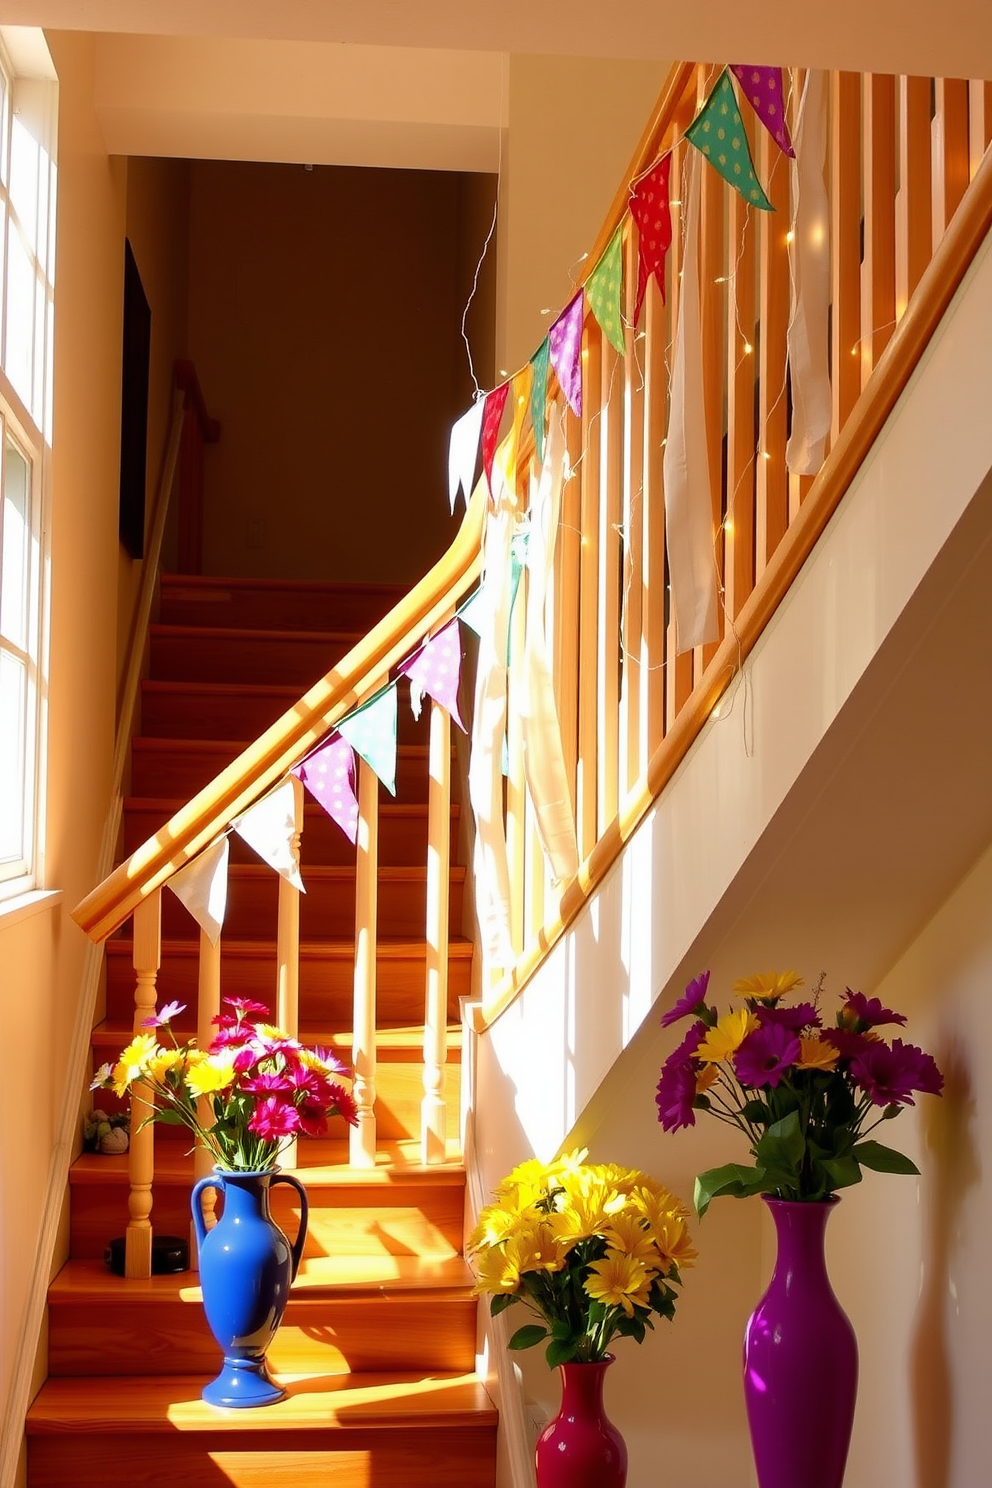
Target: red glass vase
580	1448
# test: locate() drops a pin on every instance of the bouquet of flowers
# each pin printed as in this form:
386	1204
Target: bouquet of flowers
593	1250
258	1087
805	1094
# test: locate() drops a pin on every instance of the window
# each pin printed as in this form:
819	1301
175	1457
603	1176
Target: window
27	286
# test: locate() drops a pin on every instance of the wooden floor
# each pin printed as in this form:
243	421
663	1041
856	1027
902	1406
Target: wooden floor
377	1347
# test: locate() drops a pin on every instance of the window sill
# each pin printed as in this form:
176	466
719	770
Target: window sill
23	906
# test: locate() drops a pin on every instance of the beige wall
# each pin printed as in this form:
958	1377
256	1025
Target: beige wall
325	326
573	125
41	956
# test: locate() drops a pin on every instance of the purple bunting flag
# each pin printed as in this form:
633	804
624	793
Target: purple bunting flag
651	210
762	87
436	670
329	776
565	350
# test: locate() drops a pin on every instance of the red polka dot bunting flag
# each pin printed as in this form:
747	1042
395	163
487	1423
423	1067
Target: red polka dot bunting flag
436	670
491	420
329	776
651	210
762	87
565	351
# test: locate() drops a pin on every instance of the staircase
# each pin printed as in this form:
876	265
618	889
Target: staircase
377	1348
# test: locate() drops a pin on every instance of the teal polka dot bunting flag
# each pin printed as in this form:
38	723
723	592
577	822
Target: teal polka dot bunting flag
717	132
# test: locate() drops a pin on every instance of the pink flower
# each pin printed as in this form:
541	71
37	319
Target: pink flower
766	1055
164	1015
677	1087
889	1076
861	1012
274	1118
689	1001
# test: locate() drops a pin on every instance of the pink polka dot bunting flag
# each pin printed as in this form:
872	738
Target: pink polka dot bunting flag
762	87
491	419
565	351
651	210
329	776
436	670
603	289
717	132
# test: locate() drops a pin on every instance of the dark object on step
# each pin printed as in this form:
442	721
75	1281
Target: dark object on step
170	1255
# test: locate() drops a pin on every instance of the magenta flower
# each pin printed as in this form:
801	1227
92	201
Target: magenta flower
164	1015
848	1043
867	1012
689	1001
766	1055
267	1082
888	1076
274	1118
677	1087
345	1103
803	1015
243	1005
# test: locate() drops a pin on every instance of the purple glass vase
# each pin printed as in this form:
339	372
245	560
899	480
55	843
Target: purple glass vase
800	1360
580	1448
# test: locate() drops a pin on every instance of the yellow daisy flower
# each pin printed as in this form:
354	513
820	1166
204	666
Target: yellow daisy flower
723	1041
538	1250
619	1280
499	1268
216	1072
768	984
816	1053
162	1062
134	1061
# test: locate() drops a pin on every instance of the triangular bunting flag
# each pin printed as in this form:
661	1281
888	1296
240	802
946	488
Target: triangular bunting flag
651	210
539	396
436	670
470	613
505	458
463	451
518	562
269	828
491	419
329	776
202	887
717	132
371	731
603	291
762	86
565	351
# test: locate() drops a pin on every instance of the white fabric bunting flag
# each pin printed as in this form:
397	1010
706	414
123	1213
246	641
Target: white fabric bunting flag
329	776
436	670
202	887
809	252
544	759
371	732
463	451
688	502
269	828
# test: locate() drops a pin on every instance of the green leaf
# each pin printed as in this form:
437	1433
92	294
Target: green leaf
528	1335
560	1351
842	1171
500	1302
755	1112
733	1180
782	1146
883	1159
167	1118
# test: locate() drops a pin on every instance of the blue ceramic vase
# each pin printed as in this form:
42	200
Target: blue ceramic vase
247	1266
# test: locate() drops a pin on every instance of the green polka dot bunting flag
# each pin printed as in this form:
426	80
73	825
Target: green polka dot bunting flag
603	291
717	132
539	395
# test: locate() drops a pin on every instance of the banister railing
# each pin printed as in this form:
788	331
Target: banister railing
904	223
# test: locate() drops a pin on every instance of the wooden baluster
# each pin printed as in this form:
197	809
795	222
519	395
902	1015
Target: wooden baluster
207	1008
366	909
771	476
949	151
713	274
845	241
608	636
741	365
563	605
433	1111
913	223
633	720
979	122
589	474
288	950
516	793
654	318
878	271
679	667
141	1152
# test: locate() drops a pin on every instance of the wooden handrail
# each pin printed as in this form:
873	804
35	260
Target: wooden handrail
282	745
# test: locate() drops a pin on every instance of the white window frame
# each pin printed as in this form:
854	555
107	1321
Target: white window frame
28	82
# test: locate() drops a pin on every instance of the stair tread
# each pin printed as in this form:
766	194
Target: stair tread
325	1402
117	1031
92	1283
179	631
325	1164
400	947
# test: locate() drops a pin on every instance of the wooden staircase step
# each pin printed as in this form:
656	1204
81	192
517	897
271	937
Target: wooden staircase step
184	709
371	1313
326	976
402	831
398	1208
281	604
194	653
383	1430
178	768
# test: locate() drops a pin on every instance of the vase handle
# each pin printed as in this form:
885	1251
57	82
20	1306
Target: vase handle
212	1180
301	1233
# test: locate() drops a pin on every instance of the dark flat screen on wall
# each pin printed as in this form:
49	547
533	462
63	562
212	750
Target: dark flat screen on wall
134	407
